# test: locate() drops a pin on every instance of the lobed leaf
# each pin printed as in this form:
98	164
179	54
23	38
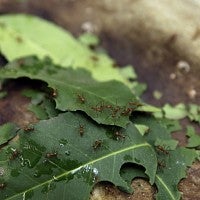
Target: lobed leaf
108	102
78	154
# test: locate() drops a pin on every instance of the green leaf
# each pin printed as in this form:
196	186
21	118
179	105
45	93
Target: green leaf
25	35
172	164
169	144
194	139
89	39
41	104
143	129
171	170
194	112
7	132
106	102
175	112
78	154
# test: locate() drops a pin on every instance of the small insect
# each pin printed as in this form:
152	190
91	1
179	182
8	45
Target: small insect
81	130
115	111
161	164
54	93
109	106
81	98
119	135
126	111
28	128
2	186
52	155
97	144
15	153
162	149
98	108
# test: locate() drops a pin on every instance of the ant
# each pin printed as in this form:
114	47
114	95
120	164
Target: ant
2	186
15	154
119	135
161	164
81	130
52	155
81	98
115	111
28	128
127	111
97	144
109	106
162	149
54	93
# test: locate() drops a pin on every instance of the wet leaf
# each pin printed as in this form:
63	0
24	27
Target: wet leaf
18	38
78	154
7	132
108	102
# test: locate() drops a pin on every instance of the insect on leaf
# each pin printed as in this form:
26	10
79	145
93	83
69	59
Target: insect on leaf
108	102
70	164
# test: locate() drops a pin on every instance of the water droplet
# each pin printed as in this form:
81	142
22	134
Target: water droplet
67	152
62	145
36	174
2	171
63	141
55	178
95	171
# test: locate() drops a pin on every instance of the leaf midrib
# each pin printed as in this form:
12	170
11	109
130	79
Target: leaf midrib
166	188
89	163
59	83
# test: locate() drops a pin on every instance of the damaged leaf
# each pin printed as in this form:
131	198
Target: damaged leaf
75	89
78	155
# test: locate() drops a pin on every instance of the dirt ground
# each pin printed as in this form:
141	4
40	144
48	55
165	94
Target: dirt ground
159	69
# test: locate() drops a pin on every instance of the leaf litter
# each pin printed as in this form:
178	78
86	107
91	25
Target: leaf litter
89	147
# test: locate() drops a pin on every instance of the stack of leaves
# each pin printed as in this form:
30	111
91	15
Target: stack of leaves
87	131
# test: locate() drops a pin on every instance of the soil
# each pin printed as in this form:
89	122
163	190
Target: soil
158	69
